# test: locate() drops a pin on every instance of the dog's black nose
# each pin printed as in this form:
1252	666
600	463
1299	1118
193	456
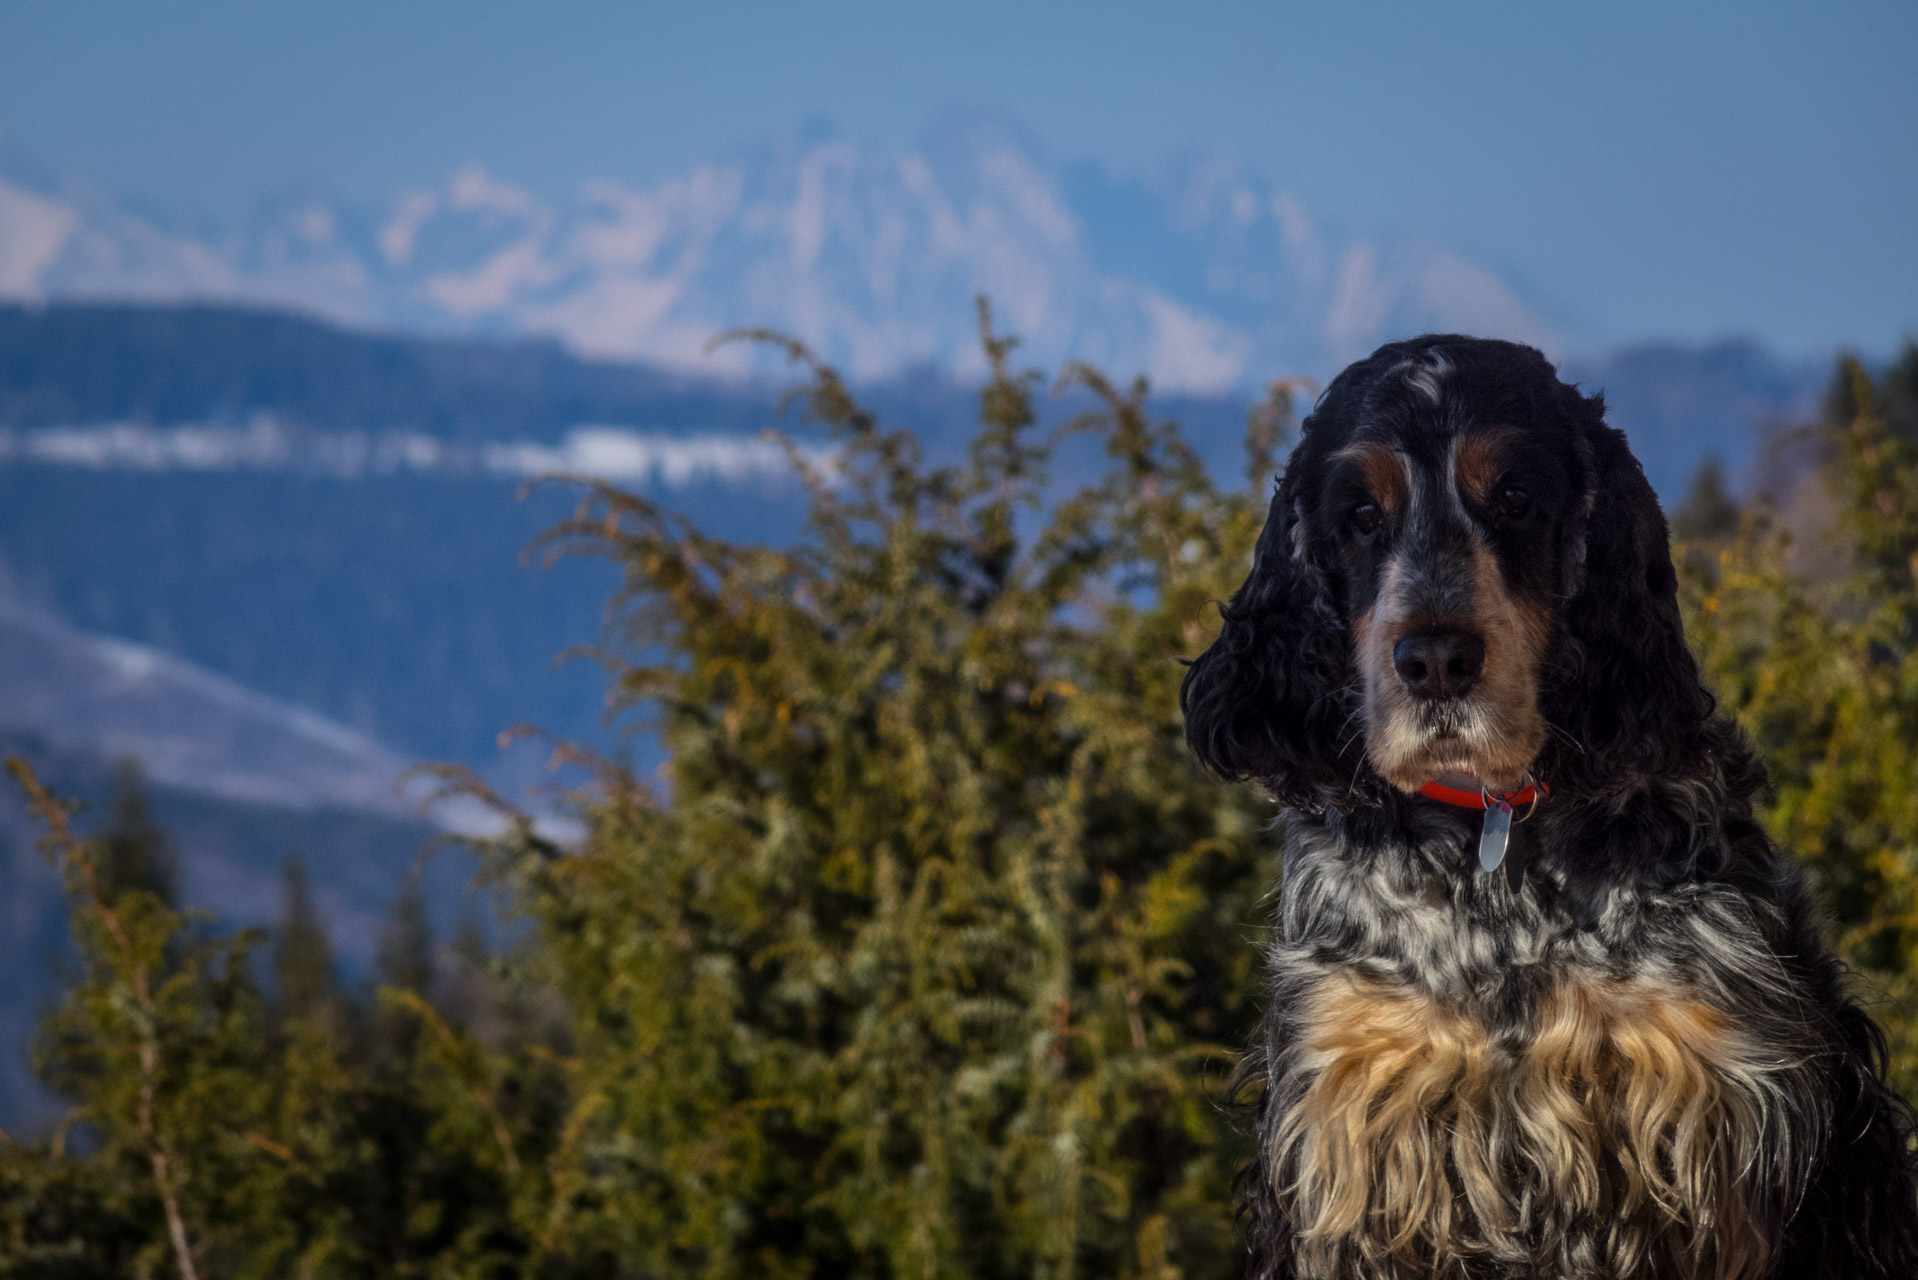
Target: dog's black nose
1439	664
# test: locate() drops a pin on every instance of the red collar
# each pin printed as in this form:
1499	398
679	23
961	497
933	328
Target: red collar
1527	794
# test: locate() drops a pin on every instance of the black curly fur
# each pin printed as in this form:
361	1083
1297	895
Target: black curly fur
1273	698
1651	802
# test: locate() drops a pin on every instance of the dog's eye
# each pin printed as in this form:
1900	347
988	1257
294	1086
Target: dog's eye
1514	504
1366	517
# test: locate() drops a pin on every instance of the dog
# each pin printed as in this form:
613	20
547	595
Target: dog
1546	1001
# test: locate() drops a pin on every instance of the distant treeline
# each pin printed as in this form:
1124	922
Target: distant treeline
69	363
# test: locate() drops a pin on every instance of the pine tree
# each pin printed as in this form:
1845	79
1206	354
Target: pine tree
1708	513
133	853
302	952
159	1046
405	960
403	972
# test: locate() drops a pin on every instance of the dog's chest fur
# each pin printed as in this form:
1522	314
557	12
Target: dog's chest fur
1470	1081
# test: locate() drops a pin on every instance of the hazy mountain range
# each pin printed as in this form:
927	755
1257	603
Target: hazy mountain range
1204	275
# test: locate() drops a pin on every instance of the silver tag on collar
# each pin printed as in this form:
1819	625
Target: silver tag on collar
1495	834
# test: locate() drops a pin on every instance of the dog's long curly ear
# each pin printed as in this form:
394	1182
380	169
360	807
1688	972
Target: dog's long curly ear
1270	699
1623	685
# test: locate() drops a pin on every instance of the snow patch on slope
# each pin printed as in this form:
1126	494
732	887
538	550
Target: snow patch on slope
192	729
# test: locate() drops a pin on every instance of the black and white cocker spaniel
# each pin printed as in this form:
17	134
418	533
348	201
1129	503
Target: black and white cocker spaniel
1546	1001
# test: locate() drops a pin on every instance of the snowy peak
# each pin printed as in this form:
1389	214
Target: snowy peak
1202	275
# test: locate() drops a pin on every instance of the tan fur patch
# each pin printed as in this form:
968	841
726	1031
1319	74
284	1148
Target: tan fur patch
1419	1147
1386	1145
1514	631
1384	471
1624	1099
1478	463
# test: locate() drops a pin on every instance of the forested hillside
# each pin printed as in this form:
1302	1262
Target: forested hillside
69	363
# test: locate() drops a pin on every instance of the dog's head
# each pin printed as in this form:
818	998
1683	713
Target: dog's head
1464	570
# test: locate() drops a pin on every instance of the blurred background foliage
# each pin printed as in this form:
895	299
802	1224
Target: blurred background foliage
1803	609
930	951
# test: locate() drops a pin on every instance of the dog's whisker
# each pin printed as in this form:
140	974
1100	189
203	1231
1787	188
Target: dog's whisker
1574	742
1345	730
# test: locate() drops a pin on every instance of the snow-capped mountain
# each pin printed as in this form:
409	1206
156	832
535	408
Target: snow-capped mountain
1204	276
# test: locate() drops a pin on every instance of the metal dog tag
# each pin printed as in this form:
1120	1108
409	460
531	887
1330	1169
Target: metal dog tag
1495	834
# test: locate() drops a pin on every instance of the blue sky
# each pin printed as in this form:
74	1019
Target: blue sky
1645	169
